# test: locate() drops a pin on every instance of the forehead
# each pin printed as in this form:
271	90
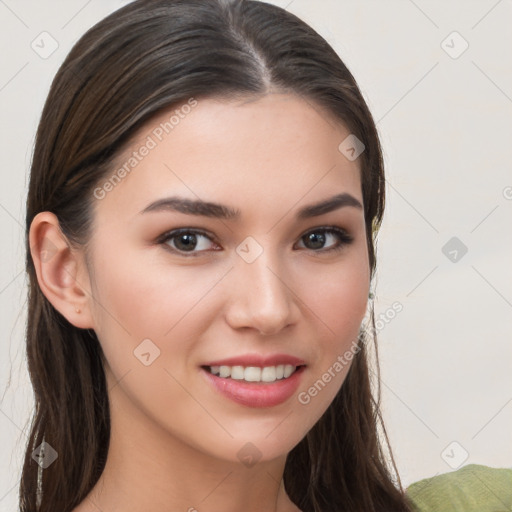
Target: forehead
273	150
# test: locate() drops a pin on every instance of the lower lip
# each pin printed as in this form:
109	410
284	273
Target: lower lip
256	394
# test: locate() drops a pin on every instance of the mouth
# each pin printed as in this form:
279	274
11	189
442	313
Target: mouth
260	383
254	374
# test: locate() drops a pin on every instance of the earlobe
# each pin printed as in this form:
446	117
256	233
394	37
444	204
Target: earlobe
58	268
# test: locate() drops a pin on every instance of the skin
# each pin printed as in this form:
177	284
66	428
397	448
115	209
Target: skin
174	438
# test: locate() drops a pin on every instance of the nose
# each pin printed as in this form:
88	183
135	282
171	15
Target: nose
261	297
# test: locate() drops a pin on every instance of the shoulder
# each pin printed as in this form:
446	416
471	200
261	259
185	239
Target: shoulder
470	488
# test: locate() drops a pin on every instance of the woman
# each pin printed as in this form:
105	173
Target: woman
206	188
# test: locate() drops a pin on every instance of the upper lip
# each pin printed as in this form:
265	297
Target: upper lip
257	360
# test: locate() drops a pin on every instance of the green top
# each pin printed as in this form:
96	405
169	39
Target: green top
472	488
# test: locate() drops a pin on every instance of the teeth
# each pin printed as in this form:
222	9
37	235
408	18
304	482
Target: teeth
268	374
288	370
224	371
254	373
237	372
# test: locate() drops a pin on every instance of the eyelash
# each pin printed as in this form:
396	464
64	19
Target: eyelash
343	239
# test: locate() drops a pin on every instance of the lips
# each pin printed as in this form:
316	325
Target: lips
267	389
256	394
257	360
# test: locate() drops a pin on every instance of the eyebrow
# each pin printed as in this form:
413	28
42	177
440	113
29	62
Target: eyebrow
220	211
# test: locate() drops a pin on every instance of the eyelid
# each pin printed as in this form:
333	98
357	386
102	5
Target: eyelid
175	232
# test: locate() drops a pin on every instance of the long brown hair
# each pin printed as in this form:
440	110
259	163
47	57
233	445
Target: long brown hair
146	57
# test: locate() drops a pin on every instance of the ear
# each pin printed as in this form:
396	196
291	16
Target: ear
61	271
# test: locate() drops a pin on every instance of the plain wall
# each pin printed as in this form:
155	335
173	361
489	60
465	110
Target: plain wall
445	120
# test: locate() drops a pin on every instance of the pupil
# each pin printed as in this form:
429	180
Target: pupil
189	241
318	239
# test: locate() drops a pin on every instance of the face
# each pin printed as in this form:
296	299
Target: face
252	290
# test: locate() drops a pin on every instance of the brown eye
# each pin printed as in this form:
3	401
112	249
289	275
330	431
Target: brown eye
334	237
188	241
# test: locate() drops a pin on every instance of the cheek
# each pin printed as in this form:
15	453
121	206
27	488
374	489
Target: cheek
338	294
139	297
136	292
